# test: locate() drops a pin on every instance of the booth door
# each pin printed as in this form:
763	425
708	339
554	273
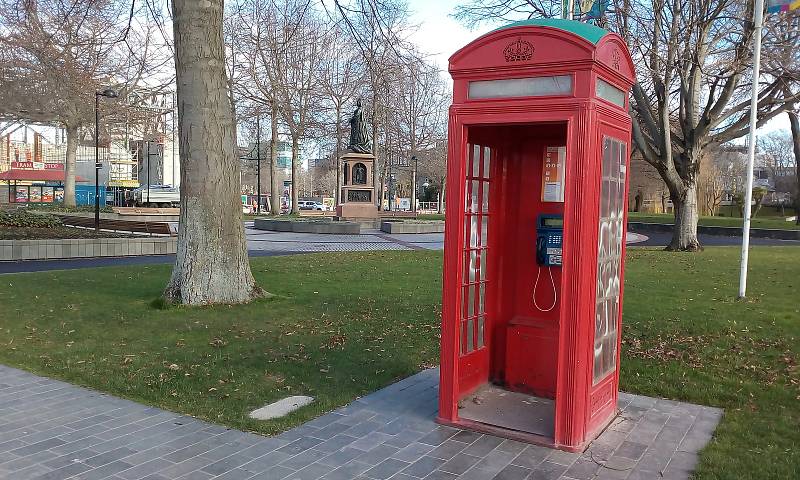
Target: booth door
474	358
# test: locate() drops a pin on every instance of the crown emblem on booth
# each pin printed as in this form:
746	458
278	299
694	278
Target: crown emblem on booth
518	51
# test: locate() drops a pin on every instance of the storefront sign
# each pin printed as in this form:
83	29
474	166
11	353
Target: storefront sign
36	166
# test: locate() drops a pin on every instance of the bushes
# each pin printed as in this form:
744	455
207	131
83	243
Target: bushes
22	218
61	208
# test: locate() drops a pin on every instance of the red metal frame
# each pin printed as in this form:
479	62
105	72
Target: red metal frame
517	130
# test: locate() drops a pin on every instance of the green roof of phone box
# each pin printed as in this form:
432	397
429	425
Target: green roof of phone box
589	32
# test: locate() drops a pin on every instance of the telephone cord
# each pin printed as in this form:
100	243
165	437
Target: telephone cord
536	284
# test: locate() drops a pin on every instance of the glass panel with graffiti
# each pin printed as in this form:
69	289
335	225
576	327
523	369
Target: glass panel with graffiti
609	257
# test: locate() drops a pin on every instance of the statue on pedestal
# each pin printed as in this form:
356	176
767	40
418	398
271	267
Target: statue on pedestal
359	136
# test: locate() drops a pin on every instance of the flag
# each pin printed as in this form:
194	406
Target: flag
775	6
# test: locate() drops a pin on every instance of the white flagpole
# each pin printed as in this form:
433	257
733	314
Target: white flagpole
758	19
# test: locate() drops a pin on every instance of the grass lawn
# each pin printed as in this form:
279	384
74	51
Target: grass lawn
337	333
756	222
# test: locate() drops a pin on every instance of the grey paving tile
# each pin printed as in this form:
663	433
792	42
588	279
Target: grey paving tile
347	472
440	475
513	472
343	456
109	457
483	445
423	467
459	463
531	457
65	472
583	468
412	452
275	473
389	434
386	469
265	462
448	449
466	436
438	436
548	471
104	471
335	443
145	469
304	459
377	454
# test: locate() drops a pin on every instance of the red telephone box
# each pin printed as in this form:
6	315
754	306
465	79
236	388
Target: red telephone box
539	143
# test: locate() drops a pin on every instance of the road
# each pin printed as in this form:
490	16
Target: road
262	243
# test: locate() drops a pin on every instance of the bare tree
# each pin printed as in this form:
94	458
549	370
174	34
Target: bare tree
212	264
775	153
693	87
55	55
794	121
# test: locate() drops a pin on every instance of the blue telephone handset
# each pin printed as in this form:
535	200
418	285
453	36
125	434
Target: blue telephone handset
549	235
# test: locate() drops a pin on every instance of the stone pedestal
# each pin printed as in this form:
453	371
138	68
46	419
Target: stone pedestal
358	190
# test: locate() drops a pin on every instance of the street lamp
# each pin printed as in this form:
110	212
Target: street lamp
108	93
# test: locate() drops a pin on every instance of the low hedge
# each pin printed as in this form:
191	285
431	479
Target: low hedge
22	218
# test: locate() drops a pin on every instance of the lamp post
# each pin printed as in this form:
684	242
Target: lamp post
108	93
258	164
414	184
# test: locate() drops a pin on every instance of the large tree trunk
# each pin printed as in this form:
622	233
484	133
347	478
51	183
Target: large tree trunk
684	234
794	121
211	264
69	165
275	189
295	176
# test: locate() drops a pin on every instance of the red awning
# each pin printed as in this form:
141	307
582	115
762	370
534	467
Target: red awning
37	176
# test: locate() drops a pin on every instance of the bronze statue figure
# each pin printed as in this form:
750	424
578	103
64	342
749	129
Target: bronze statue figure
359	136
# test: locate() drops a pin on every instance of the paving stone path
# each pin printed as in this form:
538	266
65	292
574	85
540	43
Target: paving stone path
51	430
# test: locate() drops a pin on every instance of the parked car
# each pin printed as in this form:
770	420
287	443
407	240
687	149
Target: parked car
310	205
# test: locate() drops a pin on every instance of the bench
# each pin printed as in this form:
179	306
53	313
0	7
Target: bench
150	228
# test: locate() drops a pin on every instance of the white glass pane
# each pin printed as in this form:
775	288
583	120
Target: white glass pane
481	298
463	338
485	195
470	334
466	196
473	235
476	161
487	154
609	92
475	196
521	87
484	231
481	322
471	300
473	265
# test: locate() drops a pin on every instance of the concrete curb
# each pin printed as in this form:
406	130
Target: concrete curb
772	233
412	227
334	228
13	250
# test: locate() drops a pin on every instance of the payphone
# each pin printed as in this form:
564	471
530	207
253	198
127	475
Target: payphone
537	157
549	235
549	229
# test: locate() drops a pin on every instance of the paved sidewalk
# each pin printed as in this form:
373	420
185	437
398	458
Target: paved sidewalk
51	430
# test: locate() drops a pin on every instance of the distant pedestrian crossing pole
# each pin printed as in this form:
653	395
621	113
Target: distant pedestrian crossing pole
758	20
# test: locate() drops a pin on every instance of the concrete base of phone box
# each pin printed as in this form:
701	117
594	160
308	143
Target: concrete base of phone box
526	437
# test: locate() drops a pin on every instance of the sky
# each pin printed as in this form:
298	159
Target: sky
440	35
